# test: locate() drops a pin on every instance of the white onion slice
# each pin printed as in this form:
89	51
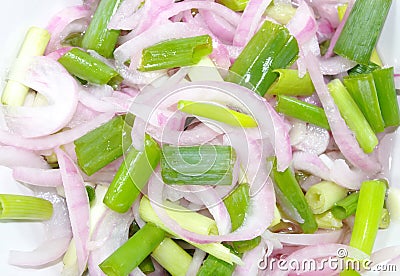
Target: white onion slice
78	206
52	80
12	156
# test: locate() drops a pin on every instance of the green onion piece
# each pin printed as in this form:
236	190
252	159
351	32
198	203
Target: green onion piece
214	266
134	251
35	43
237	204
191	221
91	193
217	112
176	53
363	69
97	36
289	83
236	5
328	221
306	112
384	83
322	196
362	89
132	176
290	194
281	12
147	266
368	215
197	165
73	39
346	207
172	257
86	67
24	207
271	48
362	29
385	219
102	145
353	116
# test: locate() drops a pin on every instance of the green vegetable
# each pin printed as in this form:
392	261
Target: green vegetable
237	204
368	215
289	83
328	221
172	257
322	196
34	44
197	165
91	69
217	112
362	89
102	145
362	29
176	53
97	36
132	175
353	116
91	193
271	48
345	207
385	88
236	5
306	112
363	69
214	266
24	207
128	256
290	194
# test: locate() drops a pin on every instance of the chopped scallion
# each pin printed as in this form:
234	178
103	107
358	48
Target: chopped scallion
197	165
289	83
21	207
345	207
176	53
323	195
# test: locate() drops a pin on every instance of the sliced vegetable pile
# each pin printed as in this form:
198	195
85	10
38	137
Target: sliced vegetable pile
200	137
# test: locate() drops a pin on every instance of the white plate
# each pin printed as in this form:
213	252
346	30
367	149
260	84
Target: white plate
18	15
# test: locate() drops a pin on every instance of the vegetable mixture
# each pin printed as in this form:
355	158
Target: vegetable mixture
202	138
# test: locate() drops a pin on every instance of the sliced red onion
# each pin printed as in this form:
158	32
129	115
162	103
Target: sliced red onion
336	170
54	140
127	17
309	138
11	157
343	136
55	55
216	206
339	29
384	254
89	96
82	115
250	21
324	251
251	261
224	12
325	30
39	177
258	218
303	25
61	20
197	261
109	234
78	206
320	237
52	80
58	237
222	29
335	65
